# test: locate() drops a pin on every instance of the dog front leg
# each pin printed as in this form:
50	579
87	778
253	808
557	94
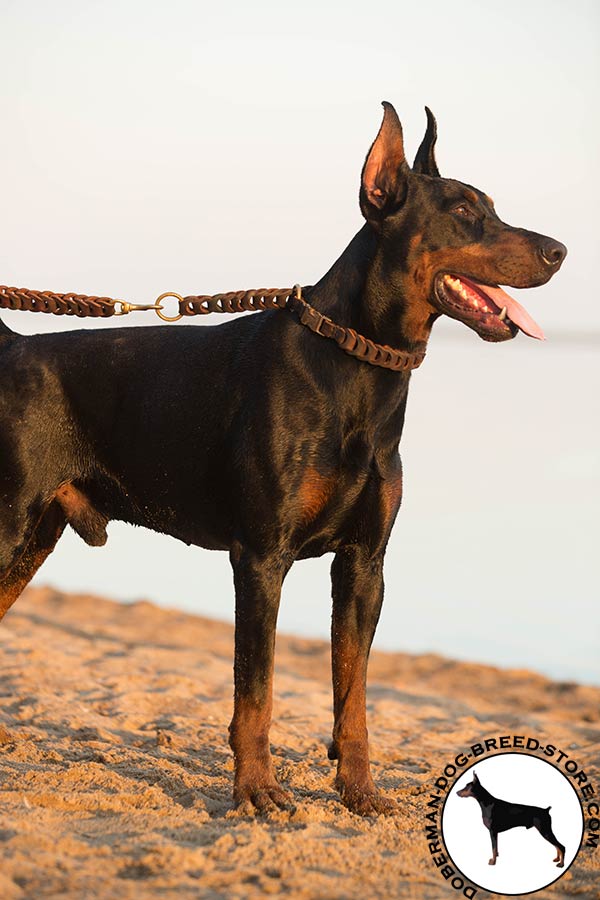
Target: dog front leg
257	592
494	837
357	583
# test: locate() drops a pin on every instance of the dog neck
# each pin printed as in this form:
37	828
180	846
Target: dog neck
362	291
483	797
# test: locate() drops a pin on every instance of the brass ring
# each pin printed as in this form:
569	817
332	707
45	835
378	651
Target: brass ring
159	311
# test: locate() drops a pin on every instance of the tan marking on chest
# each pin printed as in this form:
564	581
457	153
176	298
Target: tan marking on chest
391	495
315	491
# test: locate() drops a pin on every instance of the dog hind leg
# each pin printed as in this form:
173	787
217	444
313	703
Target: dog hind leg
37	549
545	829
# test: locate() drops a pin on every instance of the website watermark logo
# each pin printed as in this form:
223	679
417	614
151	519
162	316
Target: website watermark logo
509	815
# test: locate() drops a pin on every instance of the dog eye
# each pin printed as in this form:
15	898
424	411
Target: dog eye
464	211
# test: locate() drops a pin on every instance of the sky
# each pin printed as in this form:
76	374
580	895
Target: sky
188	147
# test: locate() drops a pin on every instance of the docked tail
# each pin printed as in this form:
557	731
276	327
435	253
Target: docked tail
5	331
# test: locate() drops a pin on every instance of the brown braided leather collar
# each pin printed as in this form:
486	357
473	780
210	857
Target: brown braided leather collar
350	341
347	339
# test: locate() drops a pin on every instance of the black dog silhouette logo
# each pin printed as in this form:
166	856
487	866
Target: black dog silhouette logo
522	807
501	815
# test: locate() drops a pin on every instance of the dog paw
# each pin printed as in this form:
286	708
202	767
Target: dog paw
263	799
491	862
560	864
367	801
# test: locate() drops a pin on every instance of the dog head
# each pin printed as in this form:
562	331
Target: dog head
443	245
470	788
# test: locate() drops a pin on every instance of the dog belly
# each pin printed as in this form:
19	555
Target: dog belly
198	519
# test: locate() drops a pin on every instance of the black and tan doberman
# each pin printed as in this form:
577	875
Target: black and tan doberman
502	815
261	438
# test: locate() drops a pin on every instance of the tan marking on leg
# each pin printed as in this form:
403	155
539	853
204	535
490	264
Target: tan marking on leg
350	737
350	726
255	784
249	738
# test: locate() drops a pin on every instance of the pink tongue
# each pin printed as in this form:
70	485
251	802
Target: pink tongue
515	312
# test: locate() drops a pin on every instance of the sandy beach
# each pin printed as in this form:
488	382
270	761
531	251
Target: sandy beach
116	776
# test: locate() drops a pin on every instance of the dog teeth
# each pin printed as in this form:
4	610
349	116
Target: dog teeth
502	315
453	282
468	296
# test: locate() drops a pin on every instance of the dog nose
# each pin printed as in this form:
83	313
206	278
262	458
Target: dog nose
553	252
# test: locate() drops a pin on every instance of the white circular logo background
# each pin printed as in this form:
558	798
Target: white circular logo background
525	859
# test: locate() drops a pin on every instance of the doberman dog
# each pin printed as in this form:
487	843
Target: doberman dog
260	438
501	815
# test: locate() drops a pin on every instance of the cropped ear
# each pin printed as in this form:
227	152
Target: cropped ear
475	778
425	163
385	172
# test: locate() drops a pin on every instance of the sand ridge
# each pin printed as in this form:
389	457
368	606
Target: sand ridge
116	777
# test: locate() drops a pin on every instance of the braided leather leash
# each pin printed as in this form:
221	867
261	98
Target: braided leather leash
347	339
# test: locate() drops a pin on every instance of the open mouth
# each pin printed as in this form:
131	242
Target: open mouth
489	310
